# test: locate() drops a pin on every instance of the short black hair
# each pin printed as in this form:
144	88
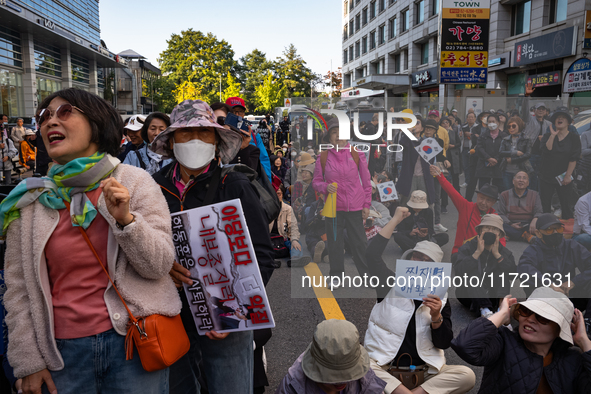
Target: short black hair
223	106
105	122
154	115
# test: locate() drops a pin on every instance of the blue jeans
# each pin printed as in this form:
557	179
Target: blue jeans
96	364
227	365
584	239
507	181
466	165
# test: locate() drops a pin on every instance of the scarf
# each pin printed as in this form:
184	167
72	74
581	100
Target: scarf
155	160
494	134
68	182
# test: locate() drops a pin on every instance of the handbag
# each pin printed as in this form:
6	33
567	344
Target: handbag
279	247
409	378
160	340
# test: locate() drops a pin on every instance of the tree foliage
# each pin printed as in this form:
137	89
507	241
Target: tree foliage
164	94
232	87
252	71
292	71
334	79
269	94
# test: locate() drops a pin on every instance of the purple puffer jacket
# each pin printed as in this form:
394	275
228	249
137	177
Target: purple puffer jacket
354	185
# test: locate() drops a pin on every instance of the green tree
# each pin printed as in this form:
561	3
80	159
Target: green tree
232	88
194	61
292	71
164	94
334	80
252	70
269	94
188	90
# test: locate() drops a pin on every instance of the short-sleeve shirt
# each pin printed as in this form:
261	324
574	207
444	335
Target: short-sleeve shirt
555	161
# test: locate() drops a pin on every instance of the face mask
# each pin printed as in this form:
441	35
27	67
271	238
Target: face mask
284	149
493	126
489	238
194	154
552	240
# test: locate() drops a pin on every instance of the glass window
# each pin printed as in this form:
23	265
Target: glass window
372	10
357	22
45	87
425	53
11	93
392	2
372	40
80	69
351	53
382	5
100	77
557	10
345	57
48	59
364	45
435	8
406	60
420	11
382	34
345	34
364	16
397	63
351	27
521	17
10	44
405	20
393	27
346	8
357	48
351	5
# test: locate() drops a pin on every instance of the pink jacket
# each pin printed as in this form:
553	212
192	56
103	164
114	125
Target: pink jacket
354	185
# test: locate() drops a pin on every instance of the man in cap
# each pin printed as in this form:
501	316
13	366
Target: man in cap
281	135
334	363
551	255
469	213
485	254
238	108
399	327
133	129
535	127
519	208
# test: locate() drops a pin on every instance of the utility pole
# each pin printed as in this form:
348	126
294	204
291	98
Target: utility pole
220	86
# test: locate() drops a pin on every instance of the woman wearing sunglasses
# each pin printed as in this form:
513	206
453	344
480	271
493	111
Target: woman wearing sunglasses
539	357
66	323
515	152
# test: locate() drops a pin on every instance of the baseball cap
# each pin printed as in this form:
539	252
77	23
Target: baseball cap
136	122
433	112
431	123
546	220
539	105
236	102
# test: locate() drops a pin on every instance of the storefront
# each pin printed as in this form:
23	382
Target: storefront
11	93
425	85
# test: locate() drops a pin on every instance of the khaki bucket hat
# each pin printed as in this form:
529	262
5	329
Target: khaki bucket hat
335	355
305	159
492	220
418	200
427	248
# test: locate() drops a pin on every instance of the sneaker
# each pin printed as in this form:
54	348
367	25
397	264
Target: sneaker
439	227
443	209
276	264
486	313
318	249
300	262
558	213
464	184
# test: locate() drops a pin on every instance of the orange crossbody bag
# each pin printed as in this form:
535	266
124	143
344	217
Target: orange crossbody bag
160	340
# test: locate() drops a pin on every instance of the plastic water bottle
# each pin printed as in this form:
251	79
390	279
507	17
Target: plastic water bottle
412	368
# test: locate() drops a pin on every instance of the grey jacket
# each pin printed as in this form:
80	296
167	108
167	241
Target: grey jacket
8	150
139	259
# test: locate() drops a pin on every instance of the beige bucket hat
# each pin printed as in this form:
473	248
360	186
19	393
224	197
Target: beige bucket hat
427	248
493	221
418	200
335	355
305	159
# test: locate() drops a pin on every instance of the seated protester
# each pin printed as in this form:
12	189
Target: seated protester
286	226
143	157
539	357
28	150
552	254
198	145
419	225
383	213
305	173
389	205
515	152
421	329
334	363
8	153
277	167
582	227
485	254
519	208
469	213
133	127
315	229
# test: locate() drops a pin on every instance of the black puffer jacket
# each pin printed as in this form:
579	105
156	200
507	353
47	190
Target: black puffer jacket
488	148
510	368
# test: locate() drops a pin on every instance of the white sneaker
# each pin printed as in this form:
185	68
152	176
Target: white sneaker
318	249
558	213
439	227
464	184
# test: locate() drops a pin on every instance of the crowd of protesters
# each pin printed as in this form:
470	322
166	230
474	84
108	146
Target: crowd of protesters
119	181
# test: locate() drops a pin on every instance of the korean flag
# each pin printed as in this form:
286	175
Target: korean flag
428	149
387	191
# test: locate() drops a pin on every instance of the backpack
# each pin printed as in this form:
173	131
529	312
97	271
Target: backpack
267	196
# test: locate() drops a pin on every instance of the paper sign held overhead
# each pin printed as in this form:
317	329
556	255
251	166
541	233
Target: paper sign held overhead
417	279
227	293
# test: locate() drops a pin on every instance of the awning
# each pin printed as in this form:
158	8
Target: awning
382	81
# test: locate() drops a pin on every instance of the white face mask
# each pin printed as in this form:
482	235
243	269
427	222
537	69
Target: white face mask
493	126
194	154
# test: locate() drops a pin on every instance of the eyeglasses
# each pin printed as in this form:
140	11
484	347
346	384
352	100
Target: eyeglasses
63	113
550	231
525	312
512	126
221	120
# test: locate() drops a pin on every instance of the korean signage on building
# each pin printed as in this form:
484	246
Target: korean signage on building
578	77
546	79
426	77
464	41
550	46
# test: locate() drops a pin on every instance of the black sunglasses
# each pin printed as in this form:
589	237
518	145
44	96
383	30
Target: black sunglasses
525	312
63	113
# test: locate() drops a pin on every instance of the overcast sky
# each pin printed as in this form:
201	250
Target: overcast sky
313	26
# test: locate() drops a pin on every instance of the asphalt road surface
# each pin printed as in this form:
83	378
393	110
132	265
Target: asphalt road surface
296	318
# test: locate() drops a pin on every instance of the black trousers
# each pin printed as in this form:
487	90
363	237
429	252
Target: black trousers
353	222
405	242
565	196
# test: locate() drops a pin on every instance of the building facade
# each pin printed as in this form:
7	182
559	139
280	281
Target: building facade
46	46
392	45
135	84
